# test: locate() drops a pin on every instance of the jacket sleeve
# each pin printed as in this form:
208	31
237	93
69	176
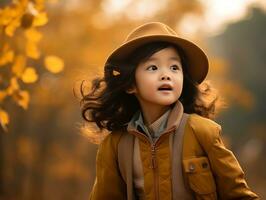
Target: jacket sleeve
228	173
108	183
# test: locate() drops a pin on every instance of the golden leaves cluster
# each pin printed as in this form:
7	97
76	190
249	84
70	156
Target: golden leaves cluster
19	21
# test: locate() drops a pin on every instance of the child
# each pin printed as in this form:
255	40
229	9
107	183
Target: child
162	143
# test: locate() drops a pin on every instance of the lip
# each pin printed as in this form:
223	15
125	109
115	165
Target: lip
167	86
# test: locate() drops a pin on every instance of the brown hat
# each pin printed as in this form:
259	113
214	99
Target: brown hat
197	61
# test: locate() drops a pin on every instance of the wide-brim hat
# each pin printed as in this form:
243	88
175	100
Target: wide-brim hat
197	61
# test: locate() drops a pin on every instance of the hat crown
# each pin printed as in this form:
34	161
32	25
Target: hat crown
197	61
148	29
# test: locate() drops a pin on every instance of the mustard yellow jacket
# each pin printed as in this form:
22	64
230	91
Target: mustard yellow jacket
210	170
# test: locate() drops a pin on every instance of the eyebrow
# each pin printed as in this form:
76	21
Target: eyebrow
174	58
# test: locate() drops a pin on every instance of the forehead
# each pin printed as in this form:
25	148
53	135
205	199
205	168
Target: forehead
169	53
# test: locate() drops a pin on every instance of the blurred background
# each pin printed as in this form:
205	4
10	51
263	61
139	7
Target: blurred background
47	47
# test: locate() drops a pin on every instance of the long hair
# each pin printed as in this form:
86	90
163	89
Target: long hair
111	108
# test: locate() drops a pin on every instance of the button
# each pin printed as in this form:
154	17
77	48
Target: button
204	165
191	167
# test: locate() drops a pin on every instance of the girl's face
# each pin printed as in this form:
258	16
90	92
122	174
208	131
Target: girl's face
159	79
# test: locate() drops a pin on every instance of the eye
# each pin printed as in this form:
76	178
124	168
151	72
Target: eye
174	67
152	68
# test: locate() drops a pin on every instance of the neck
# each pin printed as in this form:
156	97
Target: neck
152	113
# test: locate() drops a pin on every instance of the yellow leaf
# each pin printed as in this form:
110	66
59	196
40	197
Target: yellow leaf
32	51
13	86
54	64
29	75
19	65
4	119
22	98
10	28
33	35
6	15
40	19
21	3
3	95
6	57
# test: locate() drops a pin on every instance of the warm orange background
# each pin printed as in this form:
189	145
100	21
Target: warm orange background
43	154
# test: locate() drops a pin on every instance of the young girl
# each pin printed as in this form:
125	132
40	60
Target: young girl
162	143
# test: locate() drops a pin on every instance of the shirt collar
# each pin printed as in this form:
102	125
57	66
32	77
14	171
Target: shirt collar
169	119
155	129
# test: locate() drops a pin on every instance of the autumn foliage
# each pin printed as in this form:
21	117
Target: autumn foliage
19	23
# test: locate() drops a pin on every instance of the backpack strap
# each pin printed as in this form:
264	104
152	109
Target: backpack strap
125	162
178	186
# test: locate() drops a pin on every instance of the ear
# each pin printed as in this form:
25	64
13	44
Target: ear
131	90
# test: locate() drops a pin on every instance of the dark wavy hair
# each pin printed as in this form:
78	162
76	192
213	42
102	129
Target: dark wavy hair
109	106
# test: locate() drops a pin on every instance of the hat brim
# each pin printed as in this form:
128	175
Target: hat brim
197	60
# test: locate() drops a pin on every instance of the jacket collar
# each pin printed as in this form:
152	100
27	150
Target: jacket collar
171	118
175	115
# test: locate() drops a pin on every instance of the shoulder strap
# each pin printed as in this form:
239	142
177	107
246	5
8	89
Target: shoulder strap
178	185
125	162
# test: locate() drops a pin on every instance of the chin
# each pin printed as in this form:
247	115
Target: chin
167	103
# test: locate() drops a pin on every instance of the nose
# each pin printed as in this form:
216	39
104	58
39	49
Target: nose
165	77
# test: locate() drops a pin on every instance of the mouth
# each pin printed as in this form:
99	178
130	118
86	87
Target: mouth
165	87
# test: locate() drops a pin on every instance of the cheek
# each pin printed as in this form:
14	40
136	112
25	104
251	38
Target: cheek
145	85
144	88
144	81
179	83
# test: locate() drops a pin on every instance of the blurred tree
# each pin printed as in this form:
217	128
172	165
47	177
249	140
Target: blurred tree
18	48
243	44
